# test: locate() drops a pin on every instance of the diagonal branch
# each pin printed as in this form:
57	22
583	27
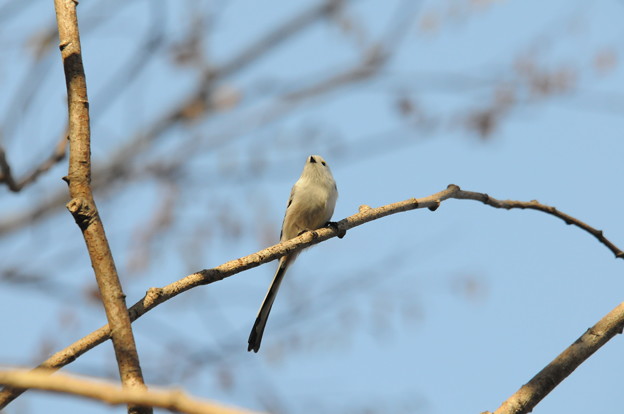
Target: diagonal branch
173	400
530	394
274	38
156	296
82	205
17	185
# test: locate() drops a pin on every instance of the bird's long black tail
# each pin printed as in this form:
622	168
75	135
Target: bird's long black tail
255	337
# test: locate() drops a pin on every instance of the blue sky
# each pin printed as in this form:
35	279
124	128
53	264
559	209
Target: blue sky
433	312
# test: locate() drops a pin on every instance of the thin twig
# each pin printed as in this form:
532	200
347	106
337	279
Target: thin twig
535	205
119	165
99	390
156	296
274	38
16	185
82	205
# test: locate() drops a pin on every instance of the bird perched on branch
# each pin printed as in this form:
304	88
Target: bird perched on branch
310	206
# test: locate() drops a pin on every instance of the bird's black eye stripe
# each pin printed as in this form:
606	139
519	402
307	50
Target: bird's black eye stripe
312	160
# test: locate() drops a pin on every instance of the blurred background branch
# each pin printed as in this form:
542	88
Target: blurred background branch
202	112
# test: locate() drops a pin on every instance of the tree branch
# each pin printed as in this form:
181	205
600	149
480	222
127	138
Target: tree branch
16	185
282	33
82	206
530	394
117	166
156	296
173	400
535	205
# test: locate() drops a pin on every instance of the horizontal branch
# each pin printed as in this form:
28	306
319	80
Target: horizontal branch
99	390
156	296
530	394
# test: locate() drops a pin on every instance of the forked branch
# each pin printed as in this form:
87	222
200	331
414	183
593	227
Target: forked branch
156	296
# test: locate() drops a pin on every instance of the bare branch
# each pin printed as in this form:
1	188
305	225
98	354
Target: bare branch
275	37
82	206
120	164
97	389
535	205
17	185
156	296
530	394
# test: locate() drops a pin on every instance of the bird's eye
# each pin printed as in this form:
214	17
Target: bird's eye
323	162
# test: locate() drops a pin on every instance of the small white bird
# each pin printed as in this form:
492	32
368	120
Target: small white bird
310	206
